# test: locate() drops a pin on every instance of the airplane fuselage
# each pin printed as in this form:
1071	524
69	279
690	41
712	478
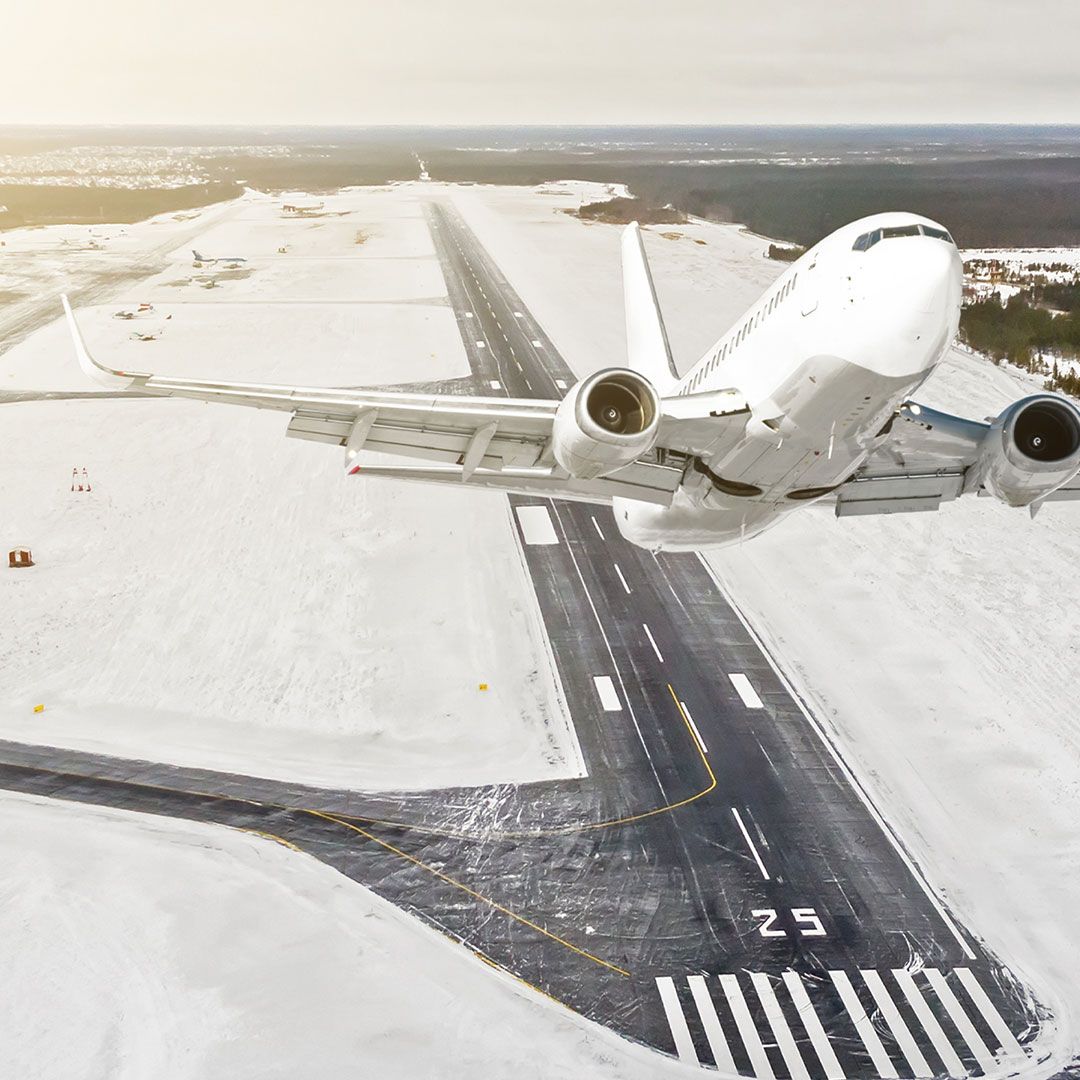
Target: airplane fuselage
824	359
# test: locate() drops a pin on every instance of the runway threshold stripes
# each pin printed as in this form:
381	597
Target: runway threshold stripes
839	1025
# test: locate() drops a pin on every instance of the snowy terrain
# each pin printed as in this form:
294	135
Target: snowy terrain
240	606
226	597
941	648
136	947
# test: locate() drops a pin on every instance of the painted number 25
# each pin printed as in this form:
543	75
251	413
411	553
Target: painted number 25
805	918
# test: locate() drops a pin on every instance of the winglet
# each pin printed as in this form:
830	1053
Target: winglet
647	349
114	380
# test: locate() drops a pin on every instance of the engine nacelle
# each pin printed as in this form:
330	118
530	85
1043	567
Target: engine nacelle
606	421
1031	449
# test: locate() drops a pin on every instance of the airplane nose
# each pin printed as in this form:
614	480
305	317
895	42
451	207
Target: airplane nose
911	299
923	276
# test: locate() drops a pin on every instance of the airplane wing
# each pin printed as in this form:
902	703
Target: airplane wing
501	443
928	458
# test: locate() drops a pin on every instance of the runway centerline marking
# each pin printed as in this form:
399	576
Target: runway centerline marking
694	728
626	588
853	781
652	642
597	528
750	844
611	654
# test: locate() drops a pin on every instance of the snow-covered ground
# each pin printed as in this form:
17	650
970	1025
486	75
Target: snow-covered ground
135	946
227	598
941	648
231	592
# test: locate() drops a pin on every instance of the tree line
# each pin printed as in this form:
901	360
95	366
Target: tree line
1025	329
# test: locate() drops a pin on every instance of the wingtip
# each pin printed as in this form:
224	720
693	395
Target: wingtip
100	374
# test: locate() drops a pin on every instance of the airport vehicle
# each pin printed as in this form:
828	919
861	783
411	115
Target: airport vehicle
806	399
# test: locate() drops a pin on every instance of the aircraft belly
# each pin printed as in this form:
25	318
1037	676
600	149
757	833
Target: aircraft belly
814	429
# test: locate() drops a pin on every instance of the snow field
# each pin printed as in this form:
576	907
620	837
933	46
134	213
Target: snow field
134	946
227	598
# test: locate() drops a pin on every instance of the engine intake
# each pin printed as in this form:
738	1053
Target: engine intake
1047	431
1031	449
606	422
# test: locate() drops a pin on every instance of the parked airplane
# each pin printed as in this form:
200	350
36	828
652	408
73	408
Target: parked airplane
805	399
207	261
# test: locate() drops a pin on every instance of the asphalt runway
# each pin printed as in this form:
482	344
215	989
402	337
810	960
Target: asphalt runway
719	887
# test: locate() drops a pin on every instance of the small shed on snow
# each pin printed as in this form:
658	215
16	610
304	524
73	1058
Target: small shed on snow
18	557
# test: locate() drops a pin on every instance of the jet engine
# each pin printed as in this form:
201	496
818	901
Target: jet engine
606	422
1031	449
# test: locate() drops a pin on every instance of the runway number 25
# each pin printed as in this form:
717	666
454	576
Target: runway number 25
806	919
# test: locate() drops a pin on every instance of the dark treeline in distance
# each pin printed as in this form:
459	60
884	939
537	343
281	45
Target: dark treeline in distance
991	186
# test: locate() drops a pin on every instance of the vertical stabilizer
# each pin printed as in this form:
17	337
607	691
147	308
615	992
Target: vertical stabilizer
647	349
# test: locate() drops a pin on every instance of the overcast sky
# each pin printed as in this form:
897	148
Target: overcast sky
547	61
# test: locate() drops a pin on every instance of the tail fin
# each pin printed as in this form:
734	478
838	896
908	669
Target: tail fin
647	349
198	257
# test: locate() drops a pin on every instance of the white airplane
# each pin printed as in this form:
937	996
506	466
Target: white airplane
208	261
805	399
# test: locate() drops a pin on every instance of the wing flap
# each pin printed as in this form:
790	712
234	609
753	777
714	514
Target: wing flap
642	481
923	460
897	493
440	435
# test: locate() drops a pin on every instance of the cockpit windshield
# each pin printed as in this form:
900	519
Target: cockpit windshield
869	239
